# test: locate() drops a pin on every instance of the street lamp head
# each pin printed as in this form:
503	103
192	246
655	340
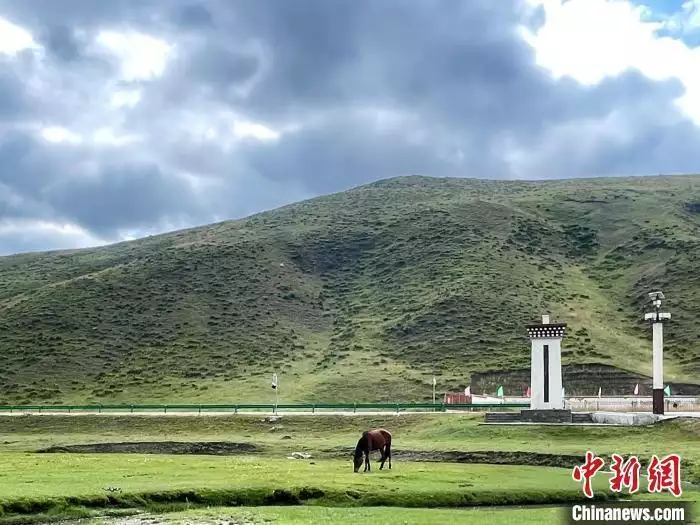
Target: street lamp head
656	298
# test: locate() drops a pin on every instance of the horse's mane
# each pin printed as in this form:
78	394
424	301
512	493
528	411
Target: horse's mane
363	439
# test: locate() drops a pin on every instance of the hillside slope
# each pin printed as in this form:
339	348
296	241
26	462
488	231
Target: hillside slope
364	295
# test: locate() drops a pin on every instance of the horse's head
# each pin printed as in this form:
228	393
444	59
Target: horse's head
357	461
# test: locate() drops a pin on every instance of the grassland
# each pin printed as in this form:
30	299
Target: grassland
364	296
372	516
44	486
363	516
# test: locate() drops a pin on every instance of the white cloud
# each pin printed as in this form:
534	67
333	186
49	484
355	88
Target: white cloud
60	134
128	98
108	137
245	129
214	124
142	56
590	40
14	39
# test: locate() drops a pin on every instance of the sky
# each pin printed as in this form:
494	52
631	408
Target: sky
126	118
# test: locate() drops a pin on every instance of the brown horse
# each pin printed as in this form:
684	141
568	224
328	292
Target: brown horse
378	439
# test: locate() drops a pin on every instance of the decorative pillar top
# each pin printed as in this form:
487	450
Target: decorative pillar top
546	329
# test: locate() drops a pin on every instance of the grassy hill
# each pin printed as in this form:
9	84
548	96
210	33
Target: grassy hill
364	295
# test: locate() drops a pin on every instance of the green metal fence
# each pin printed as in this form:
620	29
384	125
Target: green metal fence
235	408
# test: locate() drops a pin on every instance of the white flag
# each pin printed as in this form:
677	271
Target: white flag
274	381
468	391
562	393
600	390
434	381
636	389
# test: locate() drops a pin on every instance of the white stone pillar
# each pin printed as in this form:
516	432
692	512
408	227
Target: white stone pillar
657	319
545	365
658	355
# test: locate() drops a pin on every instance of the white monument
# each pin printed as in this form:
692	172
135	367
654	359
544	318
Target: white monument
545	365
657	319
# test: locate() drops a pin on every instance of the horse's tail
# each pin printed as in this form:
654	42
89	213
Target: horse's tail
388	448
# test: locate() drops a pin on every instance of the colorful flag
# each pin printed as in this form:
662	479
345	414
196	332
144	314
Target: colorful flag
528	392
667	390
499	392
636	389
468	391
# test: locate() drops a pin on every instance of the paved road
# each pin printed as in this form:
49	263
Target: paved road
183	413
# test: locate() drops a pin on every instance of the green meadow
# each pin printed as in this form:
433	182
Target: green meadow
428	482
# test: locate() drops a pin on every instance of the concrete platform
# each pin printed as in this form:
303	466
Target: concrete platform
588	419
546	416
638	418
625	418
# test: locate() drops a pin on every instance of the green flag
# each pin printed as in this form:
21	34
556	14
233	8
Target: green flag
499	392
667	390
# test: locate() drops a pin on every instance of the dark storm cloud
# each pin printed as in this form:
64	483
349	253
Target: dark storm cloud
139	194
38	14
192	16
122	194
217	65
61	42
12	99
377	89
27	168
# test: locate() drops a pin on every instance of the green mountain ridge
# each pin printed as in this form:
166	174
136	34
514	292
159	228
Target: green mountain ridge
364	295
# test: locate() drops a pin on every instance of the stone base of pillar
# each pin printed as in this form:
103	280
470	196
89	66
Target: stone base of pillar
545	416
658	401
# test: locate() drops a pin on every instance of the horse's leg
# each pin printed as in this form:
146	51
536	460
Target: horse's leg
383	458
368	468
388	453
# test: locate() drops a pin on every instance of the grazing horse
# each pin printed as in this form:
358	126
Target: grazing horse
378	439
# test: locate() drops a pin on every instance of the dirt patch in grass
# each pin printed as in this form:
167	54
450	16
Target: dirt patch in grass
216	448
492	457
223	448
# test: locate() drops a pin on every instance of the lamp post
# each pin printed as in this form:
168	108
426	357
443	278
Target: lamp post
275	387
657	319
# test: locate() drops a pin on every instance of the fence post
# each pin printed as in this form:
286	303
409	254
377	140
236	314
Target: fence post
200	410
165	409
354	408
132	408
313	408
